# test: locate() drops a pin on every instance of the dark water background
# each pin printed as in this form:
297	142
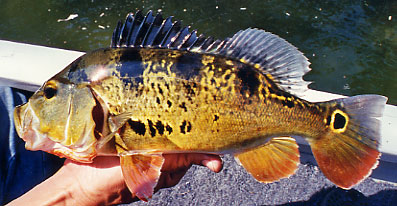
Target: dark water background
352	45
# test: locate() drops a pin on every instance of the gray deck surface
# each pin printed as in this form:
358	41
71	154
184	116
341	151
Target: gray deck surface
234	186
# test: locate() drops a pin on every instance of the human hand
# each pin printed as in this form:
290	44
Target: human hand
176	165
101	182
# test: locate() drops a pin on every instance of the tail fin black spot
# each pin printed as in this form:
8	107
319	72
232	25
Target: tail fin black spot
339	121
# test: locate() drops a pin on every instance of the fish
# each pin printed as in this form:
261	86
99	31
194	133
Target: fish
161	89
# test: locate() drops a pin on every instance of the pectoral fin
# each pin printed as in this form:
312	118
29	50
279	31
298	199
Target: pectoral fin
117	121
141	173
278	158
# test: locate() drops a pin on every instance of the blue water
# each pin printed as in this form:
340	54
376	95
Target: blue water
352	45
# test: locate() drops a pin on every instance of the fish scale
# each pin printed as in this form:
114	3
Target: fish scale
241	108
160	89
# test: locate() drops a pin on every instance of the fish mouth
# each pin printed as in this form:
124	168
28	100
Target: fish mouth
23	120
27	126
18	112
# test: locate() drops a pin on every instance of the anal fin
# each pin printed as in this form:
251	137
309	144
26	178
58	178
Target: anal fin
141	173
278	158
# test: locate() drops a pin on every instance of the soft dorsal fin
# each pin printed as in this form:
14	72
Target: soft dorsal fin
156	32
274	56
268	52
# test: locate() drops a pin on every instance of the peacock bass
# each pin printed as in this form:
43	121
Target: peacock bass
161	89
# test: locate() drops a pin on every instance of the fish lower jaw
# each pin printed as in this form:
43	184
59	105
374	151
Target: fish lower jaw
37	141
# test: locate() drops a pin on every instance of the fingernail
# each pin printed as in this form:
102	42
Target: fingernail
210	164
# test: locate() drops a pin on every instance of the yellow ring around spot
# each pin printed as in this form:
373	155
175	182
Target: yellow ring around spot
337	111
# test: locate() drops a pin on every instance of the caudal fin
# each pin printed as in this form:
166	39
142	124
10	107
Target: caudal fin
348	151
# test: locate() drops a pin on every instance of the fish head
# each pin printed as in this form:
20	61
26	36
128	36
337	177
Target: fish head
55	120
60	118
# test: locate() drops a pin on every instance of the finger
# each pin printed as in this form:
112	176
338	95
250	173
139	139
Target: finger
174	162
170	179
212	162
214	165
122	196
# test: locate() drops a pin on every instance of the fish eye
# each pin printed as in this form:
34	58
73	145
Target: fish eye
50	91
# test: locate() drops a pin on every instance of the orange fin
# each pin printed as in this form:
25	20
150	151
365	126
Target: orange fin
278	158
343	160
141	173
347	151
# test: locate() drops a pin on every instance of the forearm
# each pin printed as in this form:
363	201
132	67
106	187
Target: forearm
56	190
102	182
99	183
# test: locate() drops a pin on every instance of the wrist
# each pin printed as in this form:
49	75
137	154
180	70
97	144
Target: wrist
93	185
56	190
98	183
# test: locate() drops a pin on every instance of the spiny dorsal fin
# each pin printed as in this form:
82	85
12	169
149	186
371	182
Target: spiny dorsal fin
156	32
274	55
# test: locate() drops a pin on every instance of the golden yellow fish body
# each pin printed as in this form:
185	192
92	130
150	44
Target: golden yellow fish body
183	101
176	92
